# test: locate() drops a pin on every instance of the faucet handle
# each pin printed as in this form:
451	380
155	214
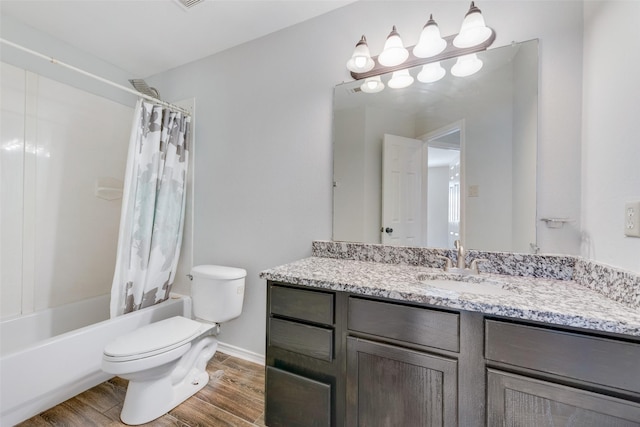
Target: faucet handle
447	264
474	263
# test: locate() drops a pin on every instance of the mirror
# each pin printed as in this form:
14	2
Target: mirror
435	162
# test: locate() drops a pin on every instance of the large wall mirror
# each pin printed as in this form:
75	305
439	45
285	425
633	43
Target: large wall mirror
434	162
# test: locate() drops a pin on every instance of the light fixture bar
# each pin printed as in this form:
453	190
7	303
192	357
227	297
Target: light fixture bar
450	52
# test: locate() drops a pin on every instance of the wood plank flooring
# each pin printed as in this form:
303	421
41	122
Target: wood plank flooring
234	397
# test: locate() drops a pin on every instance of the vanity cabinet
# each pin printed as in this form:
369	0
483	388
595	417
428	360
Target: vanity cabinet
303	382
546	377
341	359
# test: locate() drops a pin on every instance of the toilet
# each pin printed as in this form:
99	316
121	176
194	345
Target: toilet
165	362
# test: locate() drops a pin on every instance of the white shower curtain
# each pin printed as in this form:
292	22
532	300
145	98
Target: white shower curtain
153	207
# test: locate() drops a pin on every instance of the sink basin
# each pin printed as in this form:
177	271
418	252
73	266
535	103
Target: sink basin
458	284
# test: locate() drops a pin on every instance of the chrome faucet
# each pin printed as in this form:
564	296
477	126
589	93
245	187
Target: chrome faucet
461	267
458	245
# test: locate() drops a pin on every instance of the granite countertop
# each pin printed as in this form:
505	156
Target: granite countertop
557	302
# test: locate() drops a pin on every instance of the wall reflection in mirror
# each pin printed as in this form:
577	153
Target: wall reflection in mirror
435	162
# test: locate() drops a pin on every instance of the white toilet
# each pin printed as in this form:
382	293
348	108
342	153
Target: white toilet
165	362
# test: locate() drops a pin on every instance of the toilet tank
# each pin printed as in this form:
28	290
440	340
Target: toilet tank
217	292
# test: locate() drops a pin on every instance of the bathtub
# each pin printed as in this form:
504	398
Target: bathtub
52	355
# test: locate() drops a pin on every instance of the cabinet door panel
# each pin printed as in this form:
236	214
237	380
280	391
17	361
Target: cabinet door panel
517	401
295	401
390	386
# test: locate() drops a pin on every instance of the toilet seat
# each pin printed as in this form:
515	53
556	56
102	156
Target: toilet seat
155	339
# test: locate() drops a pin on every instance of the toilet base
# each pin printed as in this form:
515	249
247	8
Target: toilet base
146	401
150	399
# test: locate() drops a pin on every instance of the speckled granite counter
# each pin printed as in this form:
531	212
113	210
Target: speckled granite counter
542	299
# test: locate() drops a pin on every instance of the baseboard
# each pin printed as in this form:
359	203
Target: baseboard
241	353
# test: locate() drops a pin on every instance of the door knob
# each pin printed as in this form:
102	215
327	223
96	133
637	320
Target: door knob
388	230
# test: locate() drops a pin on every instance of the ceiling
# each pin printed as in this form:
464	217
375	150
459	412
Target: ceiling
146	37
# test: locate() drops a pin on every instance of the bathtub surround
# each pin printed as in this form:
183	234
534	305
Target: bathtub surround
60	145
153	208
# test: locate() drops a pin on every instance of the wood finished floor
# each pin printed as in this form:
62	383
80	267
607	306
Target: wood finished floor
233	397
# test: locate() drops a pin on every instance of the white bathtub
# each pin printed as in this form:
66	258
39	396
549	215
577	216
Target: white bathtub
39	370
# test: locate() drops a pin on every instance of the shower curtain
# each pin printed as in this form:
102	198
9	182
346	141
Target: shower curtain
153	207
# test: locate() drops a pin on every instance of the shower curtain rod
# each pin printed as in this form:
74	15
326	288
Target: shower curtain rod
93	76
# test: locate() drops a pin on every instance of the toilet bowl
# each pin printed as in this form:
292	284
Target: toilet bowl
165	362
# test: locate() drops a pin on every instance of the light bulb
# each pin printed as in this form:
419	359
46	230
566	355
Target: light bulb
473	30
431	73
394	52
400	79
372	85
361	61
430	42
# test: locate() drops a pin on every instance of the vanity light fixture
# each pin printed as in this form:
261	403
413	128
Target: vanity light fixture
361	61
394	52
473	30
431	72
400	79
431	48
372	85
430	43
466	65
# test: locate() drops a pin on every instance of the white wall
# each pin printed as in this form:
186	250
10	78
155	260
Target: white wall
264	164
611	145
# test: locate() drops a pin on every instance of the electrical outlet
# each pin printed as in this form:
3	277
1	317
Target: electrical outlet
632	219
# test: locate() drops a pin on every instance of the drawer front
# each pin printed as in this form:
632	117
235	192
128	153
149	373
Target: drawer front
598	360
312	306
304	339
421	326
292	400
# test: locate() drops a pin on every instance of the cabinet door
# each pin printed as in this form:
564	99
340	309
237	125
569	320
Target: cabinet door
295	401
391	386
517	401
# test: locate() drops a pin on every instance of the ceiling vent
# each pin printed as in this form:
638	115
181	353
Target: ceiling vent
188	4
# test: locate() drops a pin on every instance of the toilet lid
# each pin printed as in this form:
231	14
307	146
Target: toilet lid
156	338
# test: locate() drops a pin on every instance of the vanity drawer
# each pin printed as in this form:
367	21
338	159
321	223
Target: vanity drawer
415	325
292	400
312	306
597	360
309	340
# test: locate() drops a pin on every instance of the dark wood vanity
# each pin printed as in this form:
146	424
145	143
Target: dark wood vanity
340	359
